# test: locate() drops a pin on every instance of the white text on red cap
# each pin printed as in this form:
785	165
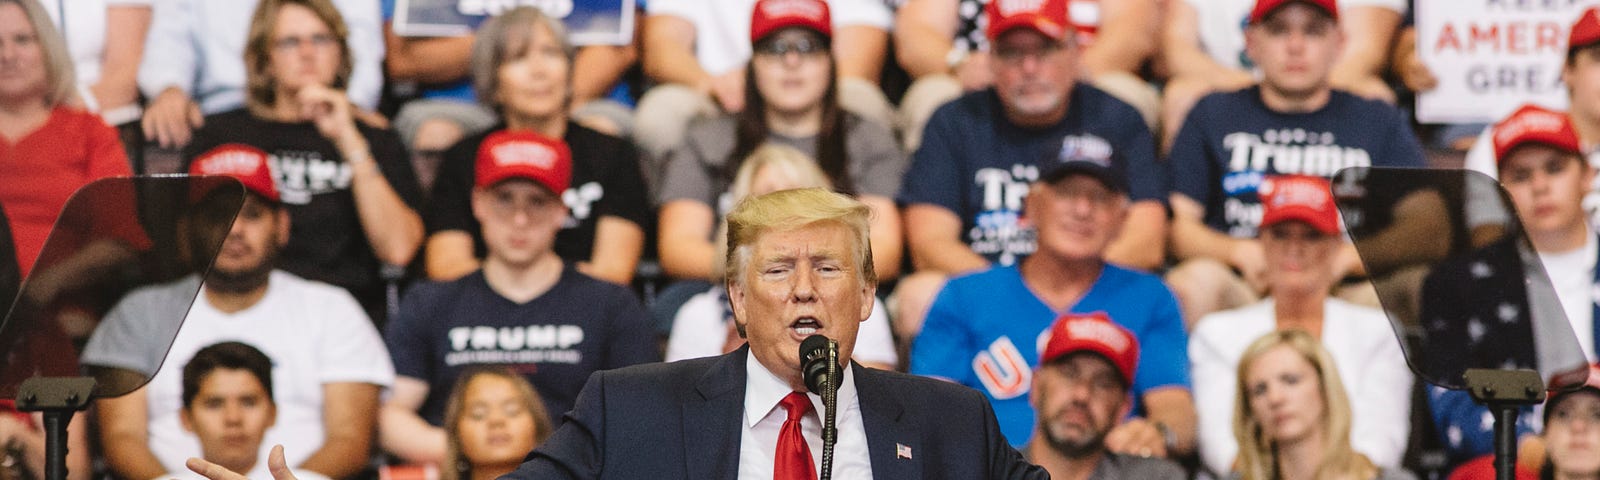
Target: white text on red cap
523	153
1013	7
793	8
1529	121
231	162
1099	331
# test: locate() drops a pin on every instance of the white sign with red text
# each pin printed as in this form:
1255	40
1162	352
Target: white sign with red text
1491	56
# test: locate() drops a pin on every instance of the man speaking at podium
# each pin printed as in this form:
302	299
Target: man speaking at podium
800	265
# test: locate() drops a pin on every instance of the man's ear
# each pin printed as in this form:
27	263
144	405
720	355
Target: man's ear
736	299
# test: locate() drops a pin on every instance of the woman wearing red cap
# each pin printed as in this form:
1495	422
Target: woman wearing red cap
791	96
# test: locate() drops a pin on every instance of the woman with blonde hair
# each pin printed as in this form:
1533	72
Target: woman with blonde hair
1292	419
492	420
704	327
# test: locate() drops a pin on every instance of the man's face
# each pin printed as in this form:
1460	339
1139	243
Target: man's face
1547	186
1582	78
1295	47
797	283
519	220
1078	401
1033	75
1075	217
253	241
230	414
1299	258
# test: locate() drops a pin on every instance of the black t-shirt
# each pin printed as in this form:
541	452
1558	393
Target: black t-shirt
326	240
605	181
582	325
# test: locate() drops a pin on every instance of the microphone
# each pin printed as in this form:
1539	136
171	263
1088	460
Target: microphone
814	353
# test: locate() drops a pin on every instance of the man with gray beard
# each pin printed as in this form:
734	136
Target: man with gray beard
1081	391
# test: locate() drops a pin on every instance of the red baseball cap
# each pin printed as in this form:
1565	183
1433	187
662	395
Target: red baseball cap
1535	124
1585	31
1048	17
507	154
1266	7
237	160
771	15
1298	197
1093	332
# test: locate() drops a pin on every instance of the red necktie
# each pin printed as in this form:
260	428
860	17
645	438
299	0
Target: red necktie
793	458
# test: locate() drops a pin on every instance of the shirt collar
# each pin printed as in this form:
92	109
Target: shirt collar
763	390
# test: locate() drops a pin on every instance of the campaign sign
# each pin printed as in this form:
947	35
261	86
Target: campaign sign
589	22
1491	56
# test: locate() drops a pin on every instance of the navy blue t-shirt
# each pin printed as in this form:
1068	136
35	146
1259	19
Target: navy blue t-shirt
582	325
977	164
1231	141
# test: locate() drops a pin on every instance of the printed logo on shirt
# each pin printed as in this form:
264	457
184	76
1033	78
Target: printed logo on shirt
304	174
553	8
1286	151
580	202
998	231
1002	370
519	344
1085	148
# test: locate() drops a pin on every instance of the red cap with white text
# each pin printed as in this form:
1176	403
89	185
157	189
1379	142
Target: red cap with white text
506	154
1298	197
1534	124
771	15
237	160
1048	17
1266	7
1093	332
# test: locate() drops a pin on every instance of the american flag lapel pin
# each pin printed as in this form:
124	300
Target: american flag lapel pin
902	451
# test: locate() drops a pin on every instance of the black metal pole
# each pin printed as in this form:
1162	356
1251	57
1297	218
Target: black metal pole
1505	441
830	406
55	444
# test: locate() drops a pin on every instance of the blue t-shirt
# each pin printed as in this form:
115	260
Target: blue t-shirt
1231	141
580	326
978	165
986	330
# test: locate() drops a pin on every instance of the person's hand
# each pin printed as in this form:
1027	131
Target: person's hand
328	109
275	463
1414	74
1531	453
171	118
728	90
1137	437
1247	256
1366	86
974	73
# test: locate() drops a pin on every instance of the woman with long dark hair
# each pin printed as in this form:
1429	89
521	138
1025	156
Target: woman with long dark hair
791	95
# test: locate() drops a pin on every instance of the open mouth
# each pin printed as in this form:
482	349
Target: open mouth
806	326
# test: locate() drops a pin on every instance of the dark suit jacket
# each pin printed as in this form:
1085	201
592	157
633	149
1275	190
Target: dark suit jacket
682	420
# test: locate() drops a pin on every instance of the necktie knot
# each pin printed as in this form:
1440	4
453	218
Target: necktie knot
797	405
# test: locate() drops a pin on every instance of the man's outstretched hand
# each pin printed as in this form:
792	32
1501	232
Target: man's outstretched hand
275	463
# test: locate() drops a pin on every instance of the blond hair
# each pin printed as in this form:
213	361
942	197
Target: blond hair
456	464
261	89
800	169
787	210
1257	453
60	80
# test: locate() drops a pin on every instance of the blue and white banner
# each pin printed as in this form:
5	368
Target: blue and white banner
589	22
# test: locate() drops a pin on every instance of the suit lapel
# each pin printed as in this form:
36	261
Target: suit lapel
711	419
893	442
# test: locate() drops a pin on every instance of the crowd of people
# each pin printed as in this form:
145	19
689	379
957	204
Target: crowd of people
1112	219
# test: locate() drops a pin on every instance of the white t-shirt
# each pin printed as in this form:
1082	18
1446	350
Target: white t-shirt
1572	275
1221	25
722	27
314	333
1364	349
698	330
85	30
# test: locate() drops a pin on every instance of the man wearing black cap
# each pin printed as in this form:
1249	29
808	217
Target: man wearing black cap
983	329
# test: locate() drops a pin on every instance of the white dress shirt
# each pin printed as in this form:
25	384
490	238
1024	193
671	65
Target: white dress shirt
763	418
